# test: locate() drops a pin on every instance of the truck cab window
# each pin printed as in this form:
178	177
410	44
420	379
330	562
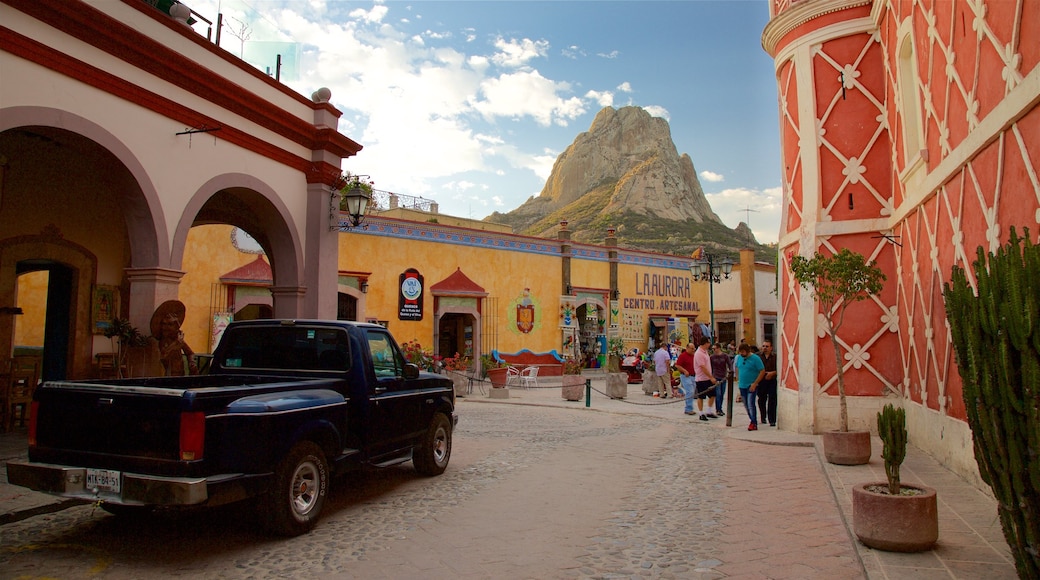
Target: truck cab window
386	358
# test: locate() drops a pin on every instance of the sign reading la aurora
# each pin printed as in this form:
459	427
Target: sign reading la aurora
660	292
409	301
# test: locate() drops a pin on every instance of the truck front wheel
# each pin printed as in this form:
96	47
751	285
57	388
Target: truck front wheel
430	456
297	495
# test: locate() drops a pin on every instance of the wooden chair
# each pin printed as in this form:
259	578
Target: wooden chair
23	376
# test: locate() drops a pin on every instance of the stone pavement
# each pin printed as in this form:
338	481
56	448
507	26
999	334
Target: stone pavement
787	514
971	543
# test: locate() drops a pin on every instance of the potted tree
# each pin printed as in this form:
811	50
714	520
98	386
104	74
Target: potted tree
617	381
573	381
126	337
836	281
497	373
889	515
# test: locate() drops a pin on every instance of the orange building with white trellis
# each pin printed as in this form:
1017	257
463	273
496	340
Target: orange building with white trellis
910	134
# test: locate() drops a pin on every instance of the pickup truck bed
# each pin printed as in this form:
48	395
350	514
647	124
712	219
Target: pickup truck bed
244	430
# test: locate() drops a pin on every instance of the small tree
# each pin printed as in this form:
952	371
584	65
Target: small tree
837	281
126	336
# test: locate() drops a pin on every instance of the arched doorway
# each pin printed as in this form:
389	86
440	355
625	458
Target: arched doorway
62	301
458	304
455	334
592	337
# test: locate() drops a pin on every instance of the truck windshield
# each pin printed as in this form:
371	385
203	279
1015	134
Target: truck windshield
285	348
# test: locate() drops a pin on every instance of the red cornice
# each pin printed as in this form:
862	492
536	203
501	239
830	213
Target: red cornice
60	62
96	28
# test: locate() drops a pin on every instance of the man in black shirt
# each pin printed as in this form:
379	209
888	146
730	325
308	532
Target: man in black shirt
767	390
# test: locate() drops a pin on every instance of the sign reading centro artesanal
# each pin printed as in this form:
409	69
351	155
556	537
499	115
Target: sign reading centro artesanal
660	292
409	301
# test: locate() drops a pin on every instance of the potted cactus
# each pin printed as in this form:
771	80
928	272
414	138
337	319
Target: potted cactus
837	281
890	515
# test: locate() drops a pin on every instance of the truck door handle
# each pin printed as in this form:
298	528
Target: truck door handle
380	389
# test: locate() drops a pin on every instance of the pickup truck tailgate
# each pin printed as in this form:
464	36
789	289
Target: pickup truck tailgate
107	420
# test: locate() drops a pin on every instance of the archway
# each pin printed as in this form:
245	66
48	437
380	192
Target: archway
67	339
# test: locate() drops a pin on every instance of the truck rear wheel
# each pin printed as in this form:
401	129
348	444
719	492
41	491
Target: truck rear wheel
301	482
431	455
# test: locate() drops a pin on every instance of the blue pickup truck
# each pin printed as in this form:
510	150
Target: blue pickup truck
285	406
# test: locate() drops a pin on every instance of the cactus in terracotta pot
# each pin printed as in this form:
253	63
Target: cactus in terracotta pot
891	424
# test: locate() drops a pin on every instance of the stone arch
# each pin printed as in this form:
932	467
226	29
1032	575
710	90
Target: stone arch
143	215
246	202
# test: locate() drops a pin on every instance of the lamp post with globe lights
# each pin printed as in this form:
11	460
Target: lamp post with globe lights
711	268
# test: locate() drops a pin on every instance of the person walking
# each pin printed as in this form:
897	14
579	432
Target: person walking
684	364
720	363
663	369
749	374
766	393
705	382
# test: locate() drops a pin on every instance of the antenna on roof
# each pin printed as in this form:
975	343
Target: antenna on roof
748	211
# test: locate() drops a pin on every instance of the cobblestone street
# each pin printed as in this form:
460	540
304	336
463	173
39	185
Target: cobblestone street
533	491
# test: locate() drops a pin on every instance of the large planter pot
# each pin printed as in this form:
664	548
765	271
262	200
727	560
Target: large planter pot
460	380
573	387
896	523
650	382
846	447
498	377
617	385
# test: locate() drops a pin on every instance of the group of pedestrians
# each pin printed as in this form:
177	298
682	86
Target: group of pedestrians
704	376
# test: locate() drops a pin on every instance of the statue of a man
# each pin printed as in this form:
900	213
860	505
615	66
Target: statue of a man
166	328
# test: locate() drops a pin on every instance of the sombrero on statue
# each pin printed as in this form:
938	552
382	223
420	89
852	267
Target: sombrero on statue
175	307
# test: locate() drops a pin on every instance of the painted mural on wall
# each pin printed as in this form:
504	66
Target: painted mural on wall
568	325
526	312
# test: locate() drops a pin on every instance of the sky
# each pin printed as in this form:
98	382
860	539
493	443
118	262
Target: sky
469	103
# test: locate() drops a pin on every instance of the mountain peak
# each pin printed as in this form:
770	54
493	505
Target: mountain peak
624	172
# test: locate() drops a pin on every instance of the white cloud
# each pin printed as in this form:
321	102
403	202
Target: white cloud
610	55
733	205
658	111
573	52
376	14
528	93
516	53
625	87
712	176
603	98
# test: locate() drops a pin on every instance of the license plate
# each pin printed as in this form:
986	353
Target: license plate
103	480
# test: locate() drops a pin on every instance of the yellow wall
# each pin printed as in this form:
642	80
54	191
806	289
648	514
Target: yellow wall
661	287
502	273
32	299
208	255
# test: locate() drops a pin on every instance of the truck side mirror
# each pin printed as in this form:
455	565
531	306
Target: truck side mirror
411	371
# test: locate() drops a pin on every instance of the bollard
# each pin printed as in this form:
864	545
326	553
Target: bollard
729	396
588	392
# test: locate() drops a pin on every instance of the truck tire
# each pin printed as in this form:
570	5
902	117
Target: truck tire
431	455
301	482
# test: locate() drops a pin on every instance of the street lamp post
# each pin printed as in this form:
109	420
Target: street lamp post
713	269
